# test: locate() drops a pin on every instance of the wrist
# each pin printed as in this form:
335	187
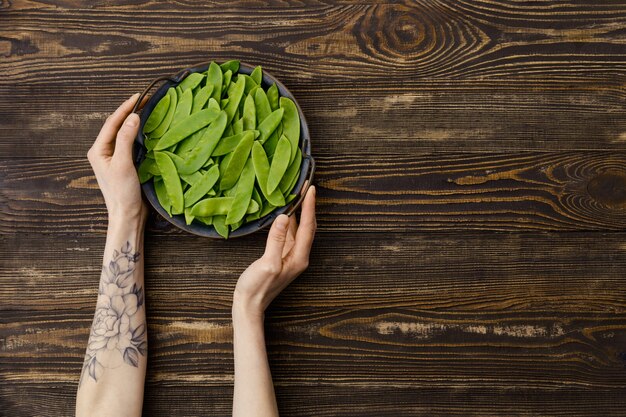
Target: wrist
128	219
246	312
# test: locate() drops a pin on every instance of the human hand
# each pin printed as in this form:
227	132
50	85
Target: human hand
112	162
286	256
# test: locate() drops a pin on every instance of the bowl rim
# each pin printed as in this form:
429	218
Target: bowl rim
139	151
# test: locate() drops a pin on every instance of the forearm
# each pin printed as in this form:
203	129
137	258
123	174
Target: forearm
254	390
112	379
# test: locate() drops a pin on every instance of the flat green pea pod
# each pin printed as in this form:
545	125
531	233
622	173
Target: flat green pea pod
290	198
188	216
243	196
229	143
165	123
183	108
150	143
202	186
267	209
237	225
220	227
250	83
272	141
190	179
228	75
272	96
147	170
267	126
291	175
171	180
280	163
237	162
195	159
224	163
186	127
259	200
201	98
190	142
206	220
238	126
261	170
191	81
214	206
263	108
214	78
224	103
249	113
233	66
179	92
291	124
161	193
257	75
157	114
234	97
213	104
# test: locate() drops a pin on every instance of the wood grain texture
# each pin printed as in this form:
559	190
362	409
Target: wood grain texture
546	320
425	75
472	205
540	191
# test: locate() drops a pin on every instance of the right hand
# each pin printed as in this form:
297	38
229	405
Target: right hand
286	256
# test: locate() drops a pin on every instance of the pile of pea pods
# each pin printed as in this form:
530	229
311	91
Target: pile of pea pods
222	150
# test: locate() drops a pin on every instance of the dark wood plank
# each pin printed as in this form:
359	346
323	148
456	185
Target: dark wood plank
526	317
538	191
426	76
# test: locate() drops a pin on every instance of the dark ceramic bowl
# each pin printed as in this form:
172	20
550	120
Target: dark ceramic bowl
306	171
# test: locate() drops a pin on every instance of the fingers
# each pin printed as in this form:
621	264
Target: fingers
104	144
306	231
291	235
125	139
275	243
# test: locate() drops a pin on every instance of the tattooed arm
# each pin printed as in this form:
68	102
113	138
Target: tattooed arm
113	373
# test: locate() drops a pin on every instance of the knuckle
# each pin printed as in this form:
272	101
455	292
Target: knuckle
270	268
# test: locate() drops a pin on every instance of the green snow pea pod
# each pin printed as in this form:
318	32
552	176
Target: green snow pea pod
280	163
202	186
206	220
214	78
257	75
237	162
188	216
191	179
220	226
290	198
191	81
150	143
230	65
186	127
272	96
224	103
250	83
292	174
228	76
238	126
229	143
262	170
187	144
263	108
165	123
179	92
272	141
236	226
183	108
259	200
171	180
157	115
249	113
144	171
195	159
291	124
267	126
234	97
208	163
214	206
213	104
243	196
161	193
201	98
224	163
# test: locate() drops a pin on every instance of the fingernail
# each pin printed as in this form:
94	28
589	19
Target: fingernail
313	189
281	222
132	120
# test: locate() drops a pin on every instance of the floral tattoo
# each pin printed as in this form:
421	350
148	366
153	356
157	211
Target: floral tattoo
118	334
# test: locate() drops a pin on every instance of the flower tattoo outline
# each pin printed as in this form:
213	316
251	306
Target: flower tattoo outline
118	335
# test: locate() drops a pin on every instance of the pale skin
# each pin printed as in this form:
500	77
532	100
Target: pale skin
112	379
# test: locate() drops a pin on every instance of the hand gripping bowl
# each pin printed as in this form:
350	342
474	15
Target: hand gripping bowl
307	168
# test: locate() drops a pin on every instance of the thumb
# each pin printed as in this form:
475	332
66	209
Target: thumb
126	137
276	239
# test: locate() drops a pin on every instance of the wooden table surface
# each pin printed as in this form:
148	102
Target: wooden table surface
471	252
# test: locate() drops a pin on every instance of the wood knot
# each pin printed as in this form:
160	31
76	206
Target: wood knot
609	189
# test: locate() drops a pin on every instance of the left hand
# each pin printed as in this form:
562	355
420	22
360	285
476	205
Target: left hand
111	157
